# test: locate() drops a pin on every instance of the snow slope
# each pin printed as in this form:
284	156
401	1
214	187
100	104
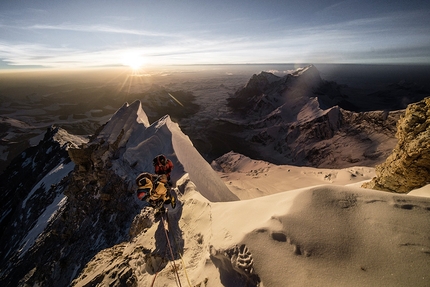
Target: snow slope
248	178
328	235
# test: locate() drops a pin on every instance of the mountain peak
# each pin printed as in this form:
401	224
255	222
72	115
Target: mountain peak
261	80
127	143
308	76
266	92
296	120
74	209
128	117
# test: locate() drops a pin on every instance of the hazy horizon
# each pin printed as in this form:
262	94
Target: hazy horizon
357	75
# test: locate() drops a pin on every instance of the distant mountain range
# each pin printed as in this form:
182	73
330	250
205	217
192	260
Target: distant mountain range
238	126
301	119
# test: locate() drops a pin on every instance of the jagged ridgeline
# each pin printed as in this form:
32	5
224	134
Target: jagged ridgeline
68	198
301	119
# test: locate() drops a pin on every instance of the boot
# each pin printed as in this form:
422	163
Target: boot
172	201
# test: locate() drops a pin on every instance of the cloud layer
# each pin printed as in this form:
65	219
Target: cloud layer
271	32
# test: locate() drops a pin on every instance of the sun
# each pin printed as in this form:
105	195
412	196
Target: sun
133	59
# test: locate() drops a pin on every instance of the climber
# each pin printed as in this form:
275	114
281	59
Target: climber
153	189
163	165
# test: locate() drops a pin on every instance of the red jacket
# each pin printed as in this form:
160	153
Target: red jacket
164	169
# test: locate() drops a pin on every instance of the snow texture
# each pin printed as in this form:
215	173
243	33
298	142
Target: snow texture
54	177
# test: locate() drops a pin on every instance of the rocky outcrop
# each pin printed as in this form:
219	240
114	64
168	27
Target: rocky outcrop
408	167
92	208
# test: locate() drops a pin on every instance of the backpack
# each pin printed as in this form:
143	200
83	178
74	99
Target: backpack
141	178
154	186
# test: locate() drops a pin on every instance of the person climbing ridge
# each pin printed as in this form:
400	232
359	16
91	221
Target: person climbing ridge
156	188
152	189
163	167
144	186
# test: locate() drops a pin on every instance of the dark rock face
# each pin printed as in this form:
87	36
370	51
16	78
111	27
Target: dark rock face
265	92
88	210
18	181
408	167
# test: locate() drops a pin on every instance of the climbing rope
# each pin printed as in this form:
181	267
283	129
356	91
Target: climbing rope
171	251
183	261
158	270
165	226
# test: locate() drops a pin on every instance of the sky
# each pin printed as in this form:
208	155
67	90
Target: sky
78	34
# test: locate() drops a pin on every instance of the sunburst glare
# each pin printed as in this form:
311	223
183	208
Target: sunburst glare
133	59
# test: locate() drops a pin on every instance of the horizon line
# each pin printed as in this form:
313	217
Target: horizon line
71	69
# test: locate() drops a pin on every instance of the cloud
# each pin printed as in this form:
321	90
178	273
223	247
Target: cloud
395	35
99	28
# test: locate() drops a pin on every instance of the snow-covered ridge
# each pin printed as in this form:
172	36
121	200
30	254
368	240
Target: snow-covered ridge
138	143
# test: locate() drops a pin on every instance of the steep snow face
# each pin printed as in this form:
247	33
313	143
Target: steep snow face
138	143
127	118
53	178
200	172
